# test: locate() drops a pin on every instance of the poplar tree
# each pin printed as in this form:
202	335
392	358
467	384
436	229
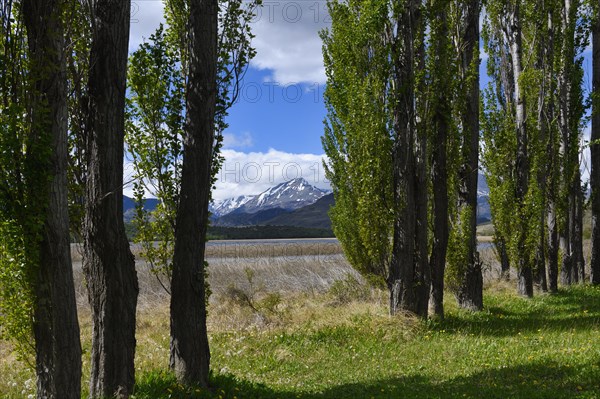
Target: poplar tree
440	61
595	146
357	138
465	276
37	296
182	83
108	263
375	61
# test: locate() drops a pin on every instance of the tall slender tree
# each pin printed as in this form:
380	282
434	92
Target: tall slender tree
440	130
570	113
108	262
357	129
552	170
55	324
470	289
190	355
595	147
508	137
409	278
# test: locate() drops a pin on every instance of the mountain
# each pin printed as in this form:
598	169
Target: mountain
289	195
294	203
312	216
235	219
223	207
150	204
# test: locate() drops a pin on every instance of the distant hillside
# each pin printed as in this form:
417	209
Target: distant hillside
249	219
150	204
315	215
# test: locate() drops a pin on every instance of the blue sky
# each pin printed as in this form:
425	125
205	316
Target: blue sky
271	115
275	126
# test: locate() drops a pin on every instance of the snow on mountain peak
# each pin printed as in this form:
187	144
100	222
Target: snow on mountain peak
292	194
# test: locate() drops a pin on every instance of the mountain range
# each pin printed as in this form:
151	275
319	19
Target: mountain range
289	195
276	206
293	203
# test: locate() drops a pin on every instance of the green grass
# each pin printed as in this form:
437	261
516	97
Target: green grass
546	347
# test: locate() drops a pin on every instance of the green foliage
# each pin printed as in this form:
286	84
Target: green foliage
78	30
357	140
551	84
153	135
457	257
25	150
16	291
156	117
516	220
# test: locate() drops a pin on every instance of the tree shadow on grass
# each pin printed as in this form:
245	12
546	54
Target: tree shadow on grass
576	308
531	381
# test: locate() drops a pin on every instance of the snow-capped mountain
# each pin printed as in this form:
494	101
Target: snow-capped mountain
290	195
223	207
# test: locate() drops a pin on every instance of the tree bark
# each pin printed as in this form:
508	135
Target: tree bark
108	263
422	276
595	149
503	257
569	160
552	168
190	354
55	327
439	167
402	274
542	172
514	40
470	294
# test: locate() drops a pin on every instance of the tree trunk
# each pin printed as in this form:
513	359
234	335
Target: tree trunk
542	169
503	257
422	275
470	294
402	275
514	39
108	263
439	167
566	150
55	327
190	355
553	162
595	149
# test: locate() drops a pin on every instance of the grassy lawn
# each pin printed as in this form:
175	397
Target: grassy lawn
310	346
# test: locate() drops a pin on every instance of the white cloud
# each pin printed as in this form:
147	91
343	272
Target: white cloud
287	40
231	141
245	173
146	15
287	36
